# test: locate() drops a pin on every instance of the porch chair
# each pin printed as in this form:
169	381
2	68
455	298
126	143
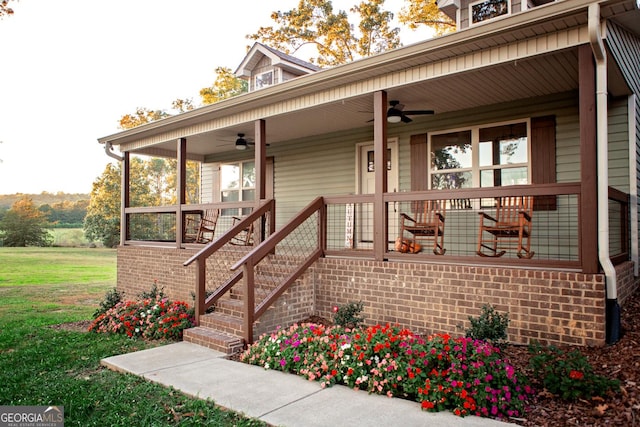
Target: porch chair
245	237
204	230
510	229
427	223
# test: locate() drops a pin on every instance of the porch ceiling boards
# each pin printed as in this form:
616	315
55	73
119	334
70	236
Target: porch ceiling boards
525	55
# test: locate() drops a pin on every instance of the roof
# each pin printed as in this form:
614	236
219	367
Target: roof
280	59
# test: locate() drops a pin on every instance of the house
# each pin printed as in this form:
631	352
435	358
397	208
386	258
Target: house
529	100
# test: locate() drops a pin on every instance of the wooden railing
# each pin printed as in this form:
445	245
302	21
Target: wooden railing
248	263
266	213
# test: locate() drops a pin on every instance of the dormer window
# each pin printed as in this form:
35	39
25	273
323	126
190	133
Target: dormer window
264	80
488	9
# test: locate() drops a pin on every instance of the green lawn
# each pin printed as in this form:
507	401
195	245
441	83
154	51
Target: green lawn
41	364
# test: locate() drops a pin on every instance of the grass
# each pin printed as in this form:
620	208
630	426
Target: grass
45	365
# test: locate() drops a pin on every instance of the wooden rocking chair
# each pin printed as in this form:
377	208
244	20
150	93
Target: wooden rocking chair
510	229
428	224
245	237
204	230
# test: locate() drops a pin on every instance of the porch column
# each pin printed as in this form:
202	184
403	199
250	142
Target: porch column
588	161
380	174
261	159
181	154
124	197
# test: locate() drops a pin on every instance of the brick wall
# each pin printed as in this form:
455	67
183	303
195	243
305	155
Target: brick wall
551	307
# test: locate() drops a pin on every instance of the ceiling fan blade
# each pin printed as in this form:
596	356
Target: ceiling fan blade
405	119
418	112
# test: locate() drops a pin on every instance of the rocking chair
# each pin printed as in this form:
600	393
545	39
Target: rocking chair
510	229
202	231
245	237
428	223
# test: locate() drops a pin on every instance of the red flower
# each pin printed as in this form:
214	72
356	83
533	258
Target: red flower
335	308
427	405
576	375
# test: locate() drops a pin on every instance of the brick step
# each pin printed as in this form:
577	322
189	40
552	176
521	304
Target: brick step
230	306
221	322
213	339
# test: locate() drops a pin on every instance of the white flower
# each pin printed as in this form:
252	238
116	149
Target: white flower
266	366
345	346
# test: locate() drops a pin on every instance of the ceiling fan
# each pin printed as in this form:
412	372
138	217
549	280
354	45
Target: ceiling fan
242	143
396	113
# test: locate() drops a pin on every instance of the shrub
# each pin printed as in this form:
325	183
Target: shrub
489	326
153	293
568	374
349	316
111	298
149	318
463	375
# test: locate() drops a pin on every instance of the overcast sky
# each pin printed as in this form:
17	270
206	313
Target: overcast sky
71	68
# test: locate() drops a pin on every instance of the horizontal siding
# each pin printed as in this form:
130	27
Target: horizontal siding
618	145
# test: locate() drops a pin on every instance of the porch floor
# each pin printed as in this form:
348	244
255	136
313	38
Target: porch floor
208	374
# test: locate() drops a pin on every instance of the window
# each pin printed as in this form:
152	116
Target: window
481	156
264	80
488	9
237	183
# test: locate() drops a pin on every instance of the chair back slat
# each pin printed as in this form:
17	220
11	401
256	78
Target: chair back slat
509	208
426	211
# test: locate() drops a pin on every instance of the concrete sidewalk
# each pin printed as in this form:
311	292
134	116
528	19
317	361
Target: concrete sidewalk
275	397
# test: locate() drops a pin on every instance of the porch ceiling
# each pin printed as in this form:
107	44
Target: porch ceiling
538	76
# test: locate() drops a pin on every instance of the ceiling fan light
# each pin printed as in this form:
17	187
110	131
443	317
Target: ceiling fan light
241	144
394	116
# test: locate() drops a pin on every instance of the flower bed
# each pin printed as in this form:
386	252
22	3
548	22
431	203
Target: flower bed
151	318
463	375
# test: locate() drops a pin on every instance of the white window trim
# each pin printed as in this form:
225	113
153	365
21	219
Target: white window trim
471	23
259	76
475	151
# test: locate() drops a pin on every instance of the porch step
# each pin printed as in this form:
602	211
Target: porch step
221	322
214	339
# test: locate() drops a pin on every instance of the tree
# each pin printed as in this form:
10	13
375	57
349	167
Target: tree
225	86
102	222
4	8
426	12
24	225
335	38
140	117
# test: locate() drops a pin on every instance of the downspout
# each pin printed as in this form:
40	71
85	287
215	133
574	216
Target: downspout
633	181
600	56
107	149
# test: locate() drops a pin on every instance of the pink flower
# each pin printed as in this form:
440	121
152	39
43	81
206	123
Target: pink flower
335	308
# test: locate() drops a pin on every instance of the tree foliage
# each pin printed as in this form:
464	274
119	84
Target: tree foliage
5	9
226	85
426	12
337	41
24	225
152	183
140	117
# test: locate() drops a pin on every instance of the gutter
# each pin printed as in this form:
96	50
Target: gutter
108	147
600	57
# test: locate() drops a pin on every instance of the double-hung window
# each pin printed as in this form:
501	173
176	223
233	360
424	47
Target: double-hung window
480	156
264	80
237	183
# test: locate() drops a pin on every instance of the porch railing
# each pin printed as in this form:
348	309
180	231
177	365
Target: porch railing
221	272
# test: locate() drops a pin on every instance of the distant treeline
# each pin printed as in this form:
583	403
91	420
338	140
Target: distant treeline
63	210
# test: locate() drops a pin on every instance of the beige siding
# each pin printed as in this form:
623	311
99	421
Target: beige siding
618	145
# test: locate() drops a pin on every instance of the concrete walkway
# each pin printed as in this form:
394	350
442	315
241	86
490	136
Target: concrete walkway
277	398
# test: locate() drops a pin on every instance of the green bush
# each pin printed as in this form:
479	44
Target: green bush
568	374
153	293
111	298
489	326
349	316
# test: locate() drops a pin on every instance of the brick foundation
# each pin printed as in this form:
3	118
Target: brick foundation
552	307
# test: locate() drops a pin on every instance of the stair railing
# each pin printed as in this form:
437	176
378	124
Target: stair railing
247	265
202	302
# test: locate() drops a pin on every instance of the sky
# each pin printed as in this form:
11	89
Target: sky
69	69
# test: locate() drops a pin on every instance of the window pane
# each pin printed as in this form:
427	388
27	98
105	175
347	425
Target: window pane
451	151
248	194
229	176
449	180
503	145
248	175
503	177
230	196
489	9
